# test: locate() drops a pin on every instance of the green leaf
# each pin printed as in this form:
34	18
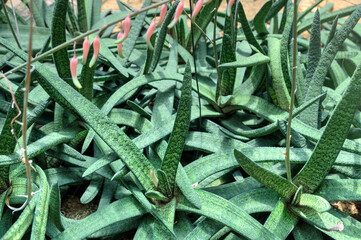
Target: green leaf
87	77
161	36
54	207
203	19
164	185
96	221
254	201
229	74
333	137
114	61
221	210
156	195
101	162
58	37
276	7
42	208
314	55
254	60
39	146
304	231
282	95
306	24
340	189
69	98
166	212
351	227
82	16
2	201
180	131
332	31
281	221
91	191
280	185
137	26
284	45
18	229
145	229
323	220
315	202
260	18
316	83
247	29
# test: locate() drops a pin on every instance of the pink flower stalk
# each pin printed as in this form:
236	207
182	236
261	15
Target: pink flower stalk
163	12
197	8
178	12
126	28
149	34
229	7
73	66
86	46
96	47
120	45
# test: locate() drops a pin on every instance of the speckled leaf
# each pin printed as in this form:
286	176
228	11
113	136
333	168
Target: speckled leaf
247	29
324	220
281	221
280	185
70	99
221	210
42	207
161	36
180	130
318	78
260	18
282	95
332	138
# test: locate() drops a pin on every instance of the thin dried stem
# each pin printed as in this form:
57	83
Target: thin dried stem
25	158
219	79
14	103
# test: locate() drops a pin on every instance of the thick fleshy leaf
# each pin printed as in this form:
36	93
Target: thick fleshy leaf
227	213
180	130
333	137
280	185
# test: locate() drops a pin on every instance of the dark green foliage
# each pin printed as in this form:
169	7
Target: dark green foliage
131	146
180	130
58	37
229	74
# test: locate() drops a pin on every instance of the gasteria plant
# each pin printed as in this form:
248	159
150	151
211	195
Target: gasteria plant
126	132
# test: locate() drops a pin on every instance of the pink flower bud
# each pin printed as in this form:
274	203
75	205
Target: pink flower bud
229	7
96	47
120	45
197	8
86	46
149	34
126	28
73	66
178	12
163	12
